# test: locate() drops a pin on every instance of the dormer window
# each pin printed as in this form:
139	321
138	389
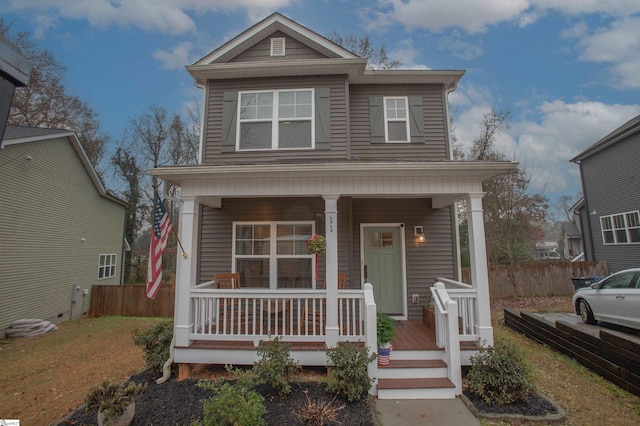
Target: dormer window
281	119
277	46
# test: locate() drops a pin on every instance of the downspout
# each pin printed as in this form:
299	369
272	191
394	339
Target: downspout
457	260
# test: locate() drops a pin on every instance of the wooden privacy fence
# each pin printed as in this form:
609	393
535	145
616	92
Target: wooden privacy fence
131	301
539	278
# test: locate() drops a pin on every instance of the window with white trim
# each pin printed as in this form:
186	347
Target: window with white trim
281	119
623	228
107	266
396	119
273	254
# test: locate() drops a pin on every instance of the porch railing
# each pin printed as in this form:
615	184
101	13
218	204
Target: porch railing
467	299
257	314
447	337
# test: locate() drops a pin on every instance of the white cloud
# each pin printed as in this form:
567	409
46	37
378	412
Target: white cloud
407	55
165	16
459	48
545	142
175	58
476	16
562	132
619	44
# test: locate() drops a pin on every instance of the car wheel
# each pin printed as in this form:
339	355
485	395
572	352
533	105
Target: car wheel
585	312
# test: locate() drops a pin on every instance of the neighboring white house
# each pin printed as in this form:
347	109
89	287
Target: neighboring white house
60	232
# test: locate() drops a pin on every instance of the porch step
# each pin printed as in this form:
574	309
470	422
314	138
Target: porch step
399	369
416	388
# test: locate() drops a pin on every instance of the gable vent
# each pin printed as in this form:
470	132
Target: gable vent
277	46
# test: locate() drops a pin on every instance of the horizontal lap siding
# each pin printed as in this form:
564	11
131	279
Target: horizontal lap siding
294	50
214	120
217	225
425	261
49	204
612	179
435	147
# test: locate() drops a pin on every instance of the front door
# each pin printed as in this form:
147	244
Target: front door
383	266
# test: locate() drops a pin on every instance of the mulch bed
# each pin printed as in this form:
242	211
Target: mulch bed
535	406
179	402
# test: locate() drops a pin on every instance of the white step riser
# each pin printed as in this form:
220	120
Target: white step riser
417	355
411	373
431	393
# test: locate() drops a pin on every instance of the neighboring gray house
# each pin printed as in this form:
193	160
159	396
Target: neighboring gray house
572	240
60	232
610	213
299	138
15	71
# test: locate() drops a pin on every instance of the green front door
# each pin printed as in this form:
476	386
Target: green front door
383	266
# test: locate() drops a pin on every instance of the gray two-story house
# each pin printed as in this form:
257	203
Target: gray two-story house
300	139
610	209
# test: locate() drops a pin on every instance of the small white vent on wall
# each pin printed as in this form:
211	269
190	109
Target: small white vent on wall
277	46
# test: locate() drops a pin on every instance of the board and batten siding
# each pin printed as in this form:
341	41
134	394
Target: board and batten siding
612	186
425	262
294	50
48	205
214	117
435	146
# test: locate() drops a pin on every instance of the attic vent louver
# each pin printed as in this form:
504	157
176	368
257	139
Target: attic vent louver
277	46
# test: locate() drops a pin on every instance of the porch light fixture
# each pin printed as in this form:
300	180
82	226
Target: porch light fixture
418	231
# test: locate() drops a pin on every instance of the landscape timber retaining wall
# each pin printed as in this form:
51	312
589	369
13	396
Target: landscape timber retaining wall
609	355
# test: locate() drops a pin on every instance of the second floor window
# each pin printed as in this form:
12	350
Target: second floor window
276	120
396	119
621	228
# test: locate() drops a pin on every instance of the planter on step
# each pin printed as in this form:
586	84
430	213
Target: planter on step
384	355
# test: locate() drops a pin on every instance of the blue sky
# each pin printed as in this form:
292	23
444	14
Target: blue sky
568	70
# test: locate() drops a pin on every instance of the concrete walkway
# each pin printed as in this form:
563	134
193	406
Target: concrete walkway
422	412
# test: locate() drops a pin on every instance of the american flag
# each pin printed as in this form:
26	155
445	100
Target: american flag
159	235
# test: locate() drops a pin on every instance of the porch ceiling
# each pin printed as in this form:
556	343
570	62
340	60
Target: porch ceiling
444	180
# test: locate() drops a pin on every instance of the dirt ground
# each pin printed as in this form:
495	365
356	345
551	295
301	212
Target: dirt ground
43	378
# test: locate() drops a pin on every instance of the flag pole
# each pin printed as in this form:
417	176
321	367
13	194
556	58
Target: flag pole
184	253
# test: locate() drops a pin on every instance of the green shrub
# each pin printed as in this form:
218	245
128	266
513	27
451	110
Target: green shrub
232	404
349	377
111	398
155	342
500	374
275	365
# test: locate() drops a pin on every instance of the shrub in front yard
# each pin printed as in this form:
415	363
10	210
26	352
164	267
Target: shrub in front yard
233	403
275	365
155	342
500	374
348	374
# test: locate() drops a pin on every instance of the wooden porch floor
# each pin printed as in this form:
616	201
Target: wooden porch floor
410	335
413	335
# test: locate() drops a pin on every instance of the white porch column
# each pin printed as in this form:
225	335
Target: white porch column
331	233
478	266
186	269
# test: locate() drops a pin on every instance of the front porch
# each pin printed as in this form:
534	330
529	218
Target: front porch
228	326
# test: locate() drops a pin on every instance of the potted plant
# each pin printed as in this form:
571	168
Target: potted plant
386	327
115	402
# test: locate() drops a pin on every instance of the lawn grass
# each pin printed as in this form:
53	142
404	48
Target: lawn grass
42	378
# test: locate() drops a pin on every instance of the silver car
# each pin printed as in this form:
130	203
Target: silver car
615	299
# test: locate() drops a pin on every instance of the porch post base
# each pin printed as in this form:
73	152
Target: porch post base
185	371
181	333
332	336
485	334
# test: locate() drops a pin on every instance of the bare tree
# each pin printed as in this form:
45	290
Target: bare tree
44	102
513	214
363	46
